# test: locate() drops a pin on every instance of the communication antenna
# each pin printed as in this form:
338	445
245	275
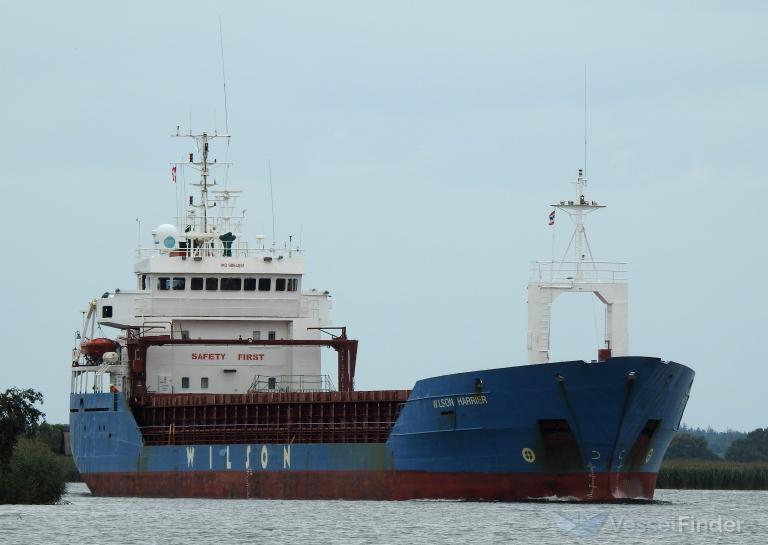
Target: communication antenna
223	78
226	110
272	200
585	121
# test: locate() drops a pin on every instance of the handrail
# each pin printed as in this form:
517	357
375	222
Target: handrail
291	383
569	272
219	251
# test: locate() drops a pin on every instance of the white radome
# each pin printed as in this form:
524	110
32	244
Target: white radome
166	235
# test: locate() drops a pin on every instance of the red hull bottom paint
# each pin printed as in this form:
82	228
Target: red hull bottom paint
374	485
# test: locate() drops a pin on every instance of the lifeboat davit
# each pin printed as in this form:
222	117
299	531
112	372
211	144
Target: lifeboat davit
98	347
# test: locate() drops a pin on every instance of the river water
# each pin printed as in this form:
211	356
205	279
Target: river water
678	516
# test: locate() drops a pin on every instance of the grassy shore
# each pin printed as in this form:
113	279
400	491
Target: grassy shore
713	475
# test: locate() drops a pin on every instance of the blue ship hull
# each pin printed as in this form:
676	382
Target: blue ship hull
585	431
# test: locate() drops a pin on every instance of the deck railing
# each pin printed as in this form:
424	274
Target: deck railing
292	383
218	250
569	272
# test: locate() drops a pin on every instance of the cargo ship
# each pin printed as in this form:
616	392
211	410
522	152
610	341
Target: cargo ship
210	384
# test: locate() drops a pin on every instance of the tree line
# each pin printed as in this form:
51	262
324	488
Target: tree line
749	447
29	469
738	461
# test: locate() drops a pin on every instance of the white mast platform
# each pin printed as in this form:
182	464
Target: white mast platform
577	272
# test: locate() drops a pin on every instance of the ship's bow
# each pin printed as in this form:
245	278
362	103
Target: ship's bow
578	430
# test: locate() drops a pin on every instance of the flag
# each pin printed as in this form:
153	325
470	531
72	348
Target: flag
552	217
173	173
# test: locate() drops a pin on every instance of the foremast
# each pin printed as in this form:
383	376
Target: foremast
577	272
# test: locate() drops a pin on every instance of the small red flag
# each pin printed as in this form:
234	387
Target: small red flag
173	173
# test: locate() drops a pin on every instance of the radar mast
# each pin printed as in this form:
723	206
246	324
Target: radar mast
201	224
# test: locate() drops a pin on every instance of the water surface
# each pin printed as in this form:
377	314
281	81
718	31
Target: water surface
679	516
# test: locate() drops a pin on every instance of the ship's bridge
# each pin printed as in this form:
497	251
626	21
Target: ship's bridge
202	280
247	295
263	284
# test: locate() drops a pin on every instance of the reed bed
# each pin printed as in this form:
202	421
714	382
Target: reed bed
713	475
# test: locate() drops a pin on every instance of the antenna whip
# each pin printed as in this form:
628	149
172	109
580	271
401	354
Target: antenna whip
585	121
223	77
272	199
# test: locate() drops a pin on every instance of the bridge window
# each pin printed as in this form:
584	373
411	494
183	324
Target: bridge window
196	283
249	284
265	284
293	284
143	281
185	382
231	284
163	283
179	283
211	284
106	311
256	336
279	284
272	336
204	382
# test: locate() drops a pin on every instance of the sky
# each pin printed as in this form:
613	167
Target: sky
415	148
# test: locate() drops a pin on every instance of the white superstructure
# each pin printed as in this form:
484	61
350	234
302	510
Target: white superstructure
203	279
577	272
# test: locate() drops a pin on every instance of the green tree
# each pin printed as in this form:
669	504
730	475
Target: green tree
33	475
751	448
29	471
52	435
718	441
688	446
18	416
